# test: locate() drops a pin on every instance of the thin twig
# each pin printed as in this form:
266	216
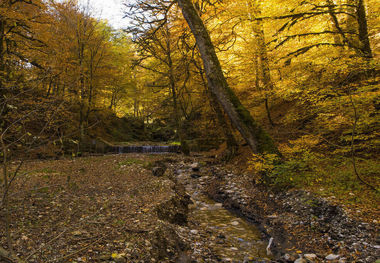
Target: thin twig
79	250
44	245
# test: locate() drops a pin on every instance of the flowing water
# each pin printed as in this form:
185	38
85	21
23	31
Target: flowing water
232	238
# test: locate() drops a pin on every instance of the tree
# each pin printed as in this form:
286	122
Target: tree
255	136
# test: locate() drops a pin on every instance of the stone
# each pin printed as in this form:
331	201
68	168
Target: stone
289	258
194	231
300	260
195	176
234	223
195	167
310	257
332	257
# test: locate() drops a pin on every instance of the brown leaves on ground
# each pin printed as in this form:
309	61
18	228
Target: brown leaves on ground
84	209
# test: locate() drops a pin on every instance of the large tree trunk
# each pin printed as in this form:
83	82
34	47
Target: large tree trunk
254	135
232	144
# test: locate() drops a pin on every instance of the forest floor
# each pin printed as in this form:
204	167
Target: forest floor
84	209
110	209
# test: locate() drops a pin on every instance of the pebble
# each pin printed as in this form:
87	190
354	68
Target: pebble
234	223
332	257
194	231
195	167
310	256
287	257
300	260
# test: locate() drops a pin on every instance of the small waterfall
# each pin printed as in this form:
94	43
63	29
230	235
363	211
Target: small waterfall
149	149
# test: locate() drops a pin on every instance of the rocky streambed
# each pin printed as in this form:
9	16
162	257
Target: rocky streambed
229	237
230	220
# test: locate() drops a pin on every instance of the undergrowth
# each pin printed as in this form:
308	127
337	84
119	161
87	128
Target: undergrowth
325	174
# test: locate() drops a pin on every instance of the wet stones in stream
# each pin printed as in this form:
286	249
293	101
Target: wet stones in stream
216	234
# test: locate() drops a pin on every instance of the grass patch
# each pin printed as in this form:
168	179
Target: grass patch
134	161
325	175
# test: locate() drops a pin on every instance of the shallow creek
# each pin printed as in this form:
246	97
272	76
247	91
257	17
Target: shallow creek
231	238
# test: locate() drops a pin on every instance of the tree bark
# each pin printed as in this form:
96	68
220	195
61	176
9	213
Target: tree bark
363	30
263	56
257	139
232	144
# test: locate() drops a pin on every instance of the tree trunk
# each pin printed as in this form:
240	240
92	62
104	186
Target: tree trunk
263	56
350	23
254	135
2	54
363	30
232	145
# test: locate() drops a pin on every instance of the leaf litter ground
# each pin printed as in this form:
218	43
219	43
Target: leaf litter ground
86	209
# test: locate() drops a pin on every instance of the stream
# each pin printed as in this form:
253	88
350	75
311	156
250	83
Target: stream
229	237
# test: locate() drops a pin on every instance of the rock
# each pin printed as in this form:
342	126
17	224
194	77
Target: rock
310	257
195	176
194	232
332	257
289	258
300	260
195	167
234	223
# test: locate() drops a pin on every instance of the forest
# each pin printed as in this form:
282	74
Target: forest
269	111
